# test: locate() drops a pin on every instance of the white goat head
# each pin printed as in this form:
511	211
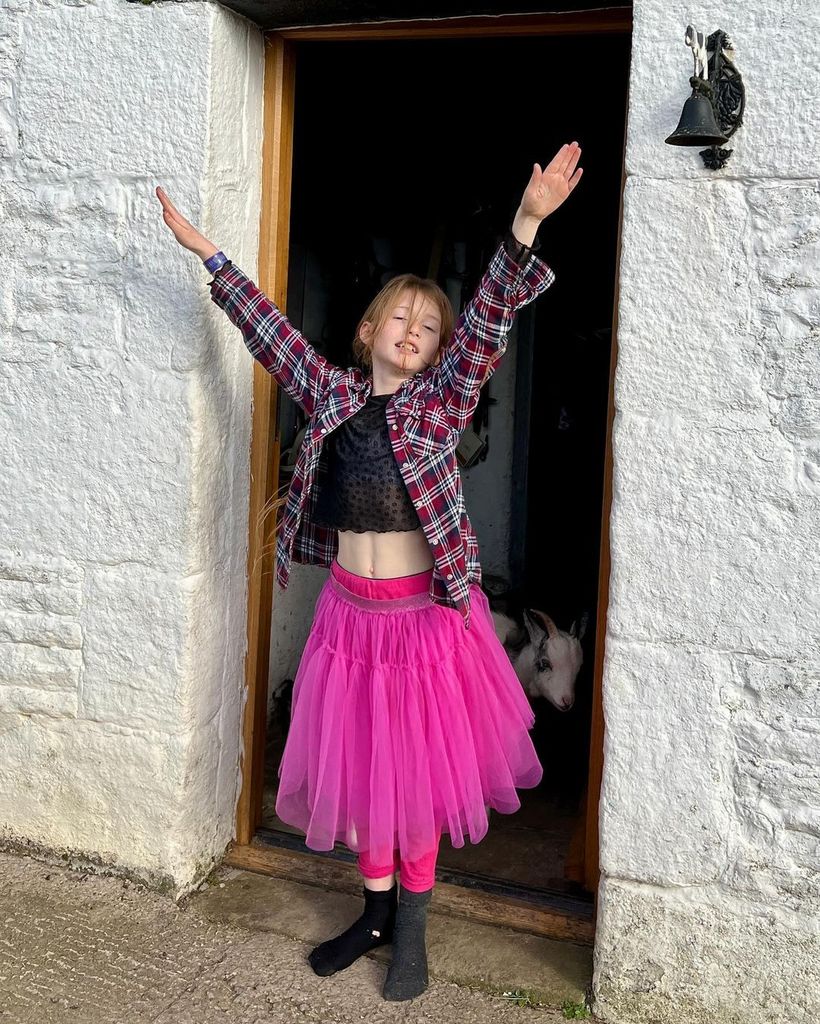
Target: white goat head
548	663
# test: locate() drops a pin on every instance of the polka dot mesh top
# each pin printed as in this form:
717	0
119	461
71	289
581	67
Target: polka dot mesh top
359	483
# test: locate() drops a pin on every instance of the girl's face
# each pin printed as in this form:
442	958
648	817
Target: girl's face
403	347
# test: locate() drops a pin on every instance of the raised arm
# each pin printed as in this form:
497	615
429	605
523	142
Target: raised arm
272	339
268	334
480	335
514	277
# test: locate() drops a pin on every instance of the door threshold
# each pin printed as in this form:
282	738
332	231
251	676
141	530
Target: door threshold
479	898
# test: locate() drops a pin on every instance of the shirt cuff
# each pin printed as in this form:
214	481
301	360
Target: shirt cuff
227	263
517	250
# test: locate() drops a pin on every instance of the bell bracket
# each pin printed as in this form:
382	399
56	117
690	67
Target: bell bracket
727	93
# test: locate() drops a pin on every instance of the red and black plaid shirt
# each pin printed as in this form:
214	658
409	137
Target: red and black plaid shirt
426	415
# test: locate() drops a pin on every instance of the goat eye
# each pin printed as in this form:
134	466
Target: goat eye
543	665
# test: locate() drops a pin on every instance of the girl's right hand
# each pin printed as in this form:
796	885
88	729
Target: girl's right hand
184	232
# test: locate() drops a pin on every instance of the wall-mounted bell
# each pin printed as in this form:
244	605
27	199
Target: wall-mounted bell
697	125
715	109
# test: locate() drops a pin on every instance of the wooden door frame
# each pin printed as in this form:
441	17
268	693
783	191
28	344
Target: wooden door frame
277	156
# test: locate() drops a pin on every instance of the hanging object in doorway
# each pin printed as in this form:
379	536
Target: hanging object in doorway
472	447
714	111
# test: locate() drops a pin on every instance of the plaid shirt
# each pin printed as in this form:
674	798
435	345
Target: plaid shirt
426	415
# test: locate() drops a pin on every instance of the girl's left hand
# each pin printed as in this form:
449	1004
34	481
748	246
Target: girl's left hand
547	189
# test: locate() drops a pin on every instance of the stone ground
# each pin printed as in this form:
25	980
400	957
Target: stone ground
82	948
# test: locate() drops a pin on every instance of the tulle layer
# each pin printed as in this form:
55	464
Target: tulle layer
403	723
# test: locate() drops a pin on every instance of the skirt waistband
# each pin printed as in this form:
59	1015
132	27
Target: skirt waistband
396	593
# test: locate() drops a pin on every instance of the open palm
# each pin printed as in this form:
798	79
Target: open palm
184	232
547	189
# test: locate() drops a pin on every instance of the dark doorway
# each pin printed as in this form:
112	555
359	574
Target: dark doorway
400	147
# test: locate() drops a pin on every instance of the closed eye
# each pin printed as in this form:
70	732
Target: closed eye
429	328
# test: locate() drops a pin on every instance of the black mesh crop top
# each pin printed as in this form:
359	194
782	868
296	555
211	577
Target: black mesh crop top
361	487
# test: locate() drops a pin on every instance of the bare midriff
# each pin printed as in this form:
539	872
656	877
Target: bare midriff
384	555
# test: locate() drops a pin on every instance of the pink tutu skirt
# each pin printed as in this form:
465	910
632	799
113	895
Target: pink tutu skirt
403	724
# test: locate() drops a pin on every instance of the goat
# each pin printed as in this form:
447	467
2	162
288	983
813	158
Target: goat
546	659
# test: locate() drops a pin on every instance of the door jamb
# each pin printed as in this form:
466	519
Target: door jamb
277	164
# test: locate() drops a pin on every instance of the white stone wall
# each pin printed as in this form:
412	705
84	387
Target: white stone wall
709	906
125	401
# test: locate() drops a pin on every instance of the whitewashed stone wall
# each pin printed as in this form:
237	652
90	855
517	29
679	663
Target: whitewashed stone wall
125	400
710	815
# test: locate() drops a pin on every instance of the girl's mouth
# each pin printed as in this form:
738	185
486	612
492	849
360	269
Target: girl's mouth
407	344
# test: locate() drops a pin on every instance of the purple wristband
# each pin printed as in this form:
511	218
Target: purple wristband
213	263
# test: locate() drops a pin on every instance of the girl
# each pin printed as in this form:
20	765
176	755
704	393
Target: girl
407	719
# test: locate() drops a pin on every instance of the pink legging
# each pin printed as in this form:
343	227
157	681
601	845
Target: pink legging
416	875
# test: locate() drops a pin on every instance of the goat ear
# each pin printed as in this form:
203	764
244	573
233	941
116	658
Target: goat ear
548	625
582	628
535	630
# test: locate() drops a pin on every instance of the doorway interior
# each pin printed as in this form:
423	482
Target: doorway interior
412	154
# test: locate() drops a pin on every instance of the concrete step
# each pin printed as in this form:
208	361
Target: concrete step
492	959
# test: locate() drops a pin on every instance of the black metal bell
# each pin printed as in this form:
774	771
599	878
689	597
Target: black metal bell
697	125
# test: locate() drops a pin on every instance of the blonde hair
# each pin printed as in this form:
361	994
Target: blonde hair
377	312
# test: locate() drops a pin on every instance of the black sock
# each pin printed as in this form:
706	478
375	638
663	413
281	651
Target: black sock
374	928
407	974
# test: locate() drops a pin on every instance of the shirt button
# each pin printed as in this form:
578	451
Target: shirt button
395	426
449	575
323	430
